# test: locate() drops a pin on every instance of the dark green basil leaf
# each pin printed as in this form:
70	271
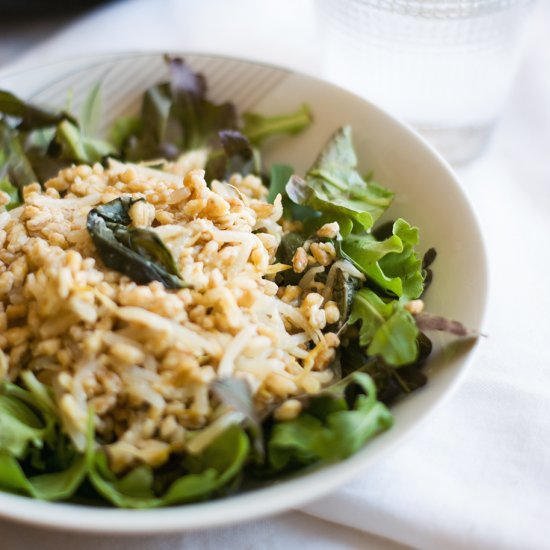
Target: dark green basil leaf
137	253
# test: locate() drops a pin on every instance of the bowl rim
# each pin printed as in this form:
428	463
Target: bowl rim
265	501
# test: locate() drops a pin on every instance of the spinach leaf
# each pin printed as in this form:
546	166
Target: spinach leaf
137	253
258	127
48	486
176	116
333	185
219	463
235	155
391	264
19	427
331	428
145	138
386	330
123	129
29	429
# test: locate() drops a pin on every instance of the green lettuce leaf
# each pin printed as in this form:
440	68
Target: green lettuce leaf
392	263
29	431
387	330
331	427
279	176
20	427
12	191
214	468
29	116
78	147
14	164
333	185
258	127
50	486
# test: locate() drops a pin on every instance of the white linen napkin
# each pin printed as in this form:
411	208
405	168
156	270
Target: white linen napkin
476	474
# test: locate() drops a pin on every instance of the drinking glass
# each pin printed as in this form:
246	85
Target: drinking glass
444	66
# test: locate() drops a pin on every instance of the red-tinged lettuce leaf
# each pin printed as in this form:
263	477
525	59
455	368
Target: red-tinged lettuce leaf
234	156
428	321
257	127
200	119
176	116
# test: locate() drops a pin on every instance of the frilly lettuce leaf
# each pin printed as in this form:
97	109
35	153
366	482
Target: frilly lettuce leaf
332	426
387	330
391	264
333	185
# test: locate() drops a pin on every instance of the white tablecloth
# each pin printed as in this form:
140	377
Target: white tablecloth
476	475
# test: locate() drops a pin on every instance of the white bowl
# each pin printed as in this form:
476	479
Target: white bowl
428	195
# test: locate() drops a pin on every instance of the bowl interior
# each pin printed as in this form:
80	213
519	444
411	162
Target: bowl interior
428	195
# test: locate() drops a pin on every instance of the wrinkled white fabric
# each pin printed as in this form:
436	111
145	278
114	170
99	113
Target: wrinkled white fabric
476	474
